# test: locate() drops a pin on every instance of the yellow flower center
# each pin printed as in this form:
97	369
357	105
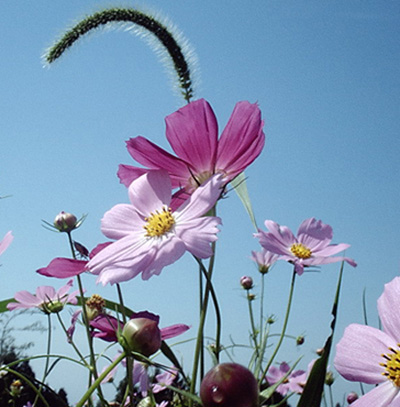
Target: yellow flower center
392	365
300	251
157	224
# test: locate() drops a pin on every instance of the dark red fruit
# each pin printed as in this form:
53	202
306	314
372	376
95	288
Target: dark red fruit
229	385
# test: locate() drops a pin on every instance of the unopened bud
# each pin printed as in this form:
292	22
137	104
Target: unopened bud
246	282
229	385
52	307
320	351
65	222
142	335
329	378
352	397
300	340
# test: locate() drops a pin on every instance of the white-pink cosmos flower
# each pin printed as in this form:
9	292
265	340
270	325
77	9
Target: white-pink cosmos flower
149	235
46	298
369	355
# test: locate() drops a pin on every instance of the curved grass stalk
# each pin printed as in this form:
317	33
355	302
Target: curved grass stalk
172	43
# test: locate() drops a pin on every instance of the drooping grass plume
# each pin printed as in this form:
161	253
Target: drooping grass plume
168	41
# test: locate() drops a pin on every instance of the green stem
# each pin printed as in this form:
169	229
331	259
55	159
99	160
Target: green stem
98	381
252	324
93	369
285	322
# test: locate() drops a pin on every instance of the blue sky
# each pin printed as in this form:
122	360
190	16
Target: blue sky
326	77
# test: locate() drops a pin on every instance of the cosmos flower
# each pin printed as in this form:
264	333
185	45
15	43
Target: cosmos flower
149	235
311	247
192	132
46	299
7	239
293	383
264	259
369	355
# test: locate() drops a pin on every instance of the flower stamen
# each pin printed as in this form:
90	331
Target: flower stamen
159	223
392	365
301	251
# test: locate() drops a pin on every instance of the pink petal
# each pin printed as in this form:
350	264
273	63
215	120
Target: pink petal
121	221
46	293
151	192
25	300
127	173
192	132
173	330
7	239
150	155
64	289
385	395
242	140
331	249
358	353
201	201
63	268
197	234
316	229
388	306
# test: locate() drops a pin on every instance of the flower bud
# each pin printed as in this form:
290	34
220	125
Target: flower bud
329	378
52	307
320	351
246	282
352	397
142	335
300	340
65	222
16	388
229	385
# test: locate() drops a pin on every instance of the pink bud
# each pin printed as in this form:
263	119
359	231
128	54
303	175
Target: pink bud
142	335
352	397
229	385
246	282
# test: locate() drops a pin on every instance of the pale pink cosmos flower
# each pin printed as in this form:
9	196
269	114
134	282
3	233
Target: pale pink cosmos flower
369	355
264	259
311	247
46	298
192	132
294	383
149	235
7	239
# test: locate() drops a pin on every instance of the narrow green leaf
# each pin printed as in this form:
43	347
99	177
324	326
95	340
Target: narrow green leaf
3	304
239	183
312	393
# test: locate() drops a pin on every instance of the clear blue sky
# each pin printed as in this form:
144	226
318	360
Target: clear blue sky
326	77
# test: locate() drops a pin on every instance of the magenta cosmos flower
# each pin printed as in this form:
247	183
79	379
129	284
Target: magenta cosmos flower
294	383
264	259
311	247
150	235
369	355
7	239
192	132
47	299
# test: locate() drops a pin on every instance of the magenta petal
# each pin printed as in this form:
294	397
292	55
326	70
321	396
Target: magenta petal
7	239
242	140
146	314
388	306
173	330
150	155
359	353
63	268
192	132
46	293
127	173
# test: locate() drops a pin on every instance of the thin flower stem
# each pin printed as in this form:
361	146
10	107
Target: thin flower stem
254	333
331	395
72	343
285	322
201	293
262	301
129	360
93	368
46	366
98	381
